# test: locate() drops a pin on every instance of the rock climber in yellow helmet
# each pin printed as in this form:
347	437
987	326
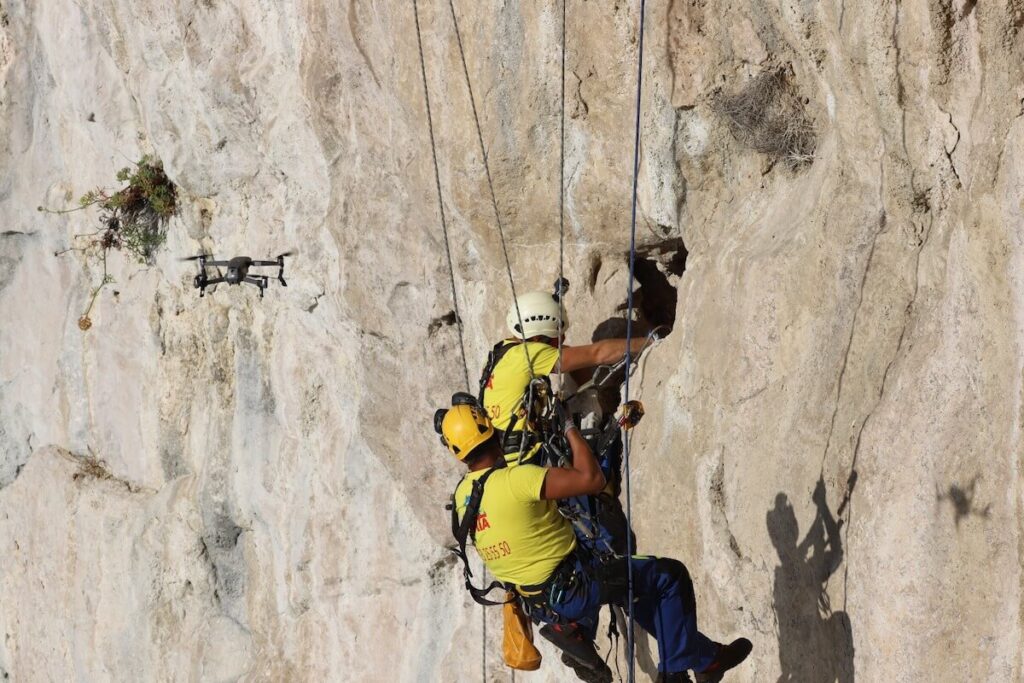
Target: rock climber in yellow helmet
512	517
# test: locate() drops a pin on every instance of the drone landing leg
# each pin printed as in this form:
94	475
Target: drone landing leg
258	280
202	282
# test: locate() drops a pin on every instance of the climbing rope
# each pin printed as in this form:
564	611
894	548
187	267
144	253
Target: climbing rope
490	183
561	210
451	277
561	259
627	437
440	199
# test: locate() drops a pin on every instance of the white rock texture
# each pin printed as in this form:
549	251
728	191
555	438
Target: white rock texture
229	489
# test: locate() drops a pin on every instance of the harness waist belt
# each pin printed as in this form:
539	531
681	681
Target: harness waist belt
564	568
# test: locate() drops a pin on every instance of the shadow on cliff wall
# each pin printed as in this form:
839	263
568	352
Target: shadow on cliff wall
815	642
961	498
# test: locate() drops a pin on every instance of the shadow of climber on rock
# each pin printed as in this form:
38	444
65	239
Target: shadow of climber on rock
815	642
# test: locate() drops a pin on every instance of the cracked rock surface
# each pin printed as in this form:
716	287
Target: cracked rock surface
234	489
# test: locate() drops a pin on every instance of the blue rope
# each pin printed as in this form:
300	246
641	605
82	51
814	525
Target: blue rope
561	209
627	437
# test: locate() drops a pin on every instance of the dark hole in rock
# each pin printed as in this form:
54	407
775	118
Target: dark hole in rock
656	272
655	297
446	320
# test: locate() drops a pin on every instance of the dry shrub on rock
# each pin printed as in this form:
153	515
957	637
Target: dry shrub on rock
768	116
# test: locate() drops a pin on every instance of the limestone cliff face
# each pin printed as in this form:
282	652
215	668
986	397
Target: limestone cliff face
230	488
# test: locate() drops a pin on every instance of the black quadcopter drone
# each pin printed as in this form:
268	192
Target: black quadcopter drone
237	271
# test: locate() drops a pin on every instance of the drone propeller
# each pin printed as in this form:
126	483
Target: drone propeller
196	257
287	253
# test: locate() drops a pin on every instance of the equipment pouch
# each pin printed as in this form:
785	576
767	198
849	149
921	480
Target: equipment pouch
517	647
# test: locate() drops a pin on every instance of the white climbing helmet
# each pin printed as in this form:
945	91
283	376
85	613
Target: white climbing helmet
539	312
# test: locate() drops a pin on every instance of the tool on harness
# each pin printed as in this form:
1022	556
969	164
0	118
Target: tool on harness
632	411
517	646
466	529
538	597
493	358
534	412
561	287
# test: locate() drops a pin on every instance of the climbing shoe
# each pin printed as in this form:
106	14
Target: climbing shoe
574	647
728	656
679	677
587	674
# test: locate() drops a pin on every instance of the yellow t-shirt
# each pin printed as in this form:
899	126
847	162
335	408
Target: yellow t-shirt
510	377
520	537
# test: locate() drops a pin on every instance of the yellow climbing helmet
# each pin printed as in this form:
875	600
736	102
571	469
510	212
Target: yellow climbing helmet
464	426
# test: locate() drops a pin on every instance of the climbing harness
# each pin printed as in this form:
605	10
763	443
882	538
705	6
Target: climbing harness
465	530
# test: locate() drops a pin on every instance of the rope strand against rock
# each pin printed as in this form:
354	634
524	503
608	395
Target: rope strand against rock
451	276
561	206
490	183
627	439
440	198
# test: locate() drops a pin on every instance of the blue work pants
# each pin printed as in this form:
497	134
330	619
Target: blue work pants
663	604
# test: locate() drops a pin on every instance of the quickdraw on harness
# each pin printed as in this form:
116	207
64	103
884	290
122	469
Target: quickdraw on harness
466	530
533	409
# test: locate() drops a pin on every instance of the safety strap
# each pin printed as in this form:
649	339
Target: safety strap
527	437
493	357
466	529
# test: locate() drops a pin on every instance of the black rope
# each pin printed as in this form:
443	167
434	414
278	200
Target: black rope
561	209
451	276
630	644
490	182
440	199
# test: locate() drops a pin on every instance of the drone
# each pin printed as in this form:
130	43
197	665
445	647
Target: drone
237	271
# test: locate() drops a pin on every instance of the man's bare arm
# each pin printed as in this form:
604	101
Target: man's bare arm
604	352
583	477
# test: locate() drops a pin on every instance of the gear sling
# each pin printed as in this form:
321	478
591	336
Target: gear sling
466	529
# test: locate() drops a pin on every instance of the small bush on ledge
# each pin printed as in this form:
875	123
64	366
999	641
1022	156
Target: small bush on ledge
133	218
768	116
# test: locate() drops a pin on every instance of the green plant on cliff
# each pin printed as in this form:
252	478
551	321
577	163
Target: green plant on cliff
132	218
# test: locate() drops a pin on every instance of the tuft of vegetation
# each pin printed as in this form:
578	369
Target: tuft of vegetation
768	116
133	219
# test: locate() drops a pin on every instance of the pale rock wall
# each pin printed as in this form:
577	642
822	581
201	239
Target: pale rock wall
225	488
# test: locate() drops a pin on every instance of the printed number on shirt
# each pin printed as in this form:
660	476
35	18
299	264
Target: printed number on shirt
496	551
